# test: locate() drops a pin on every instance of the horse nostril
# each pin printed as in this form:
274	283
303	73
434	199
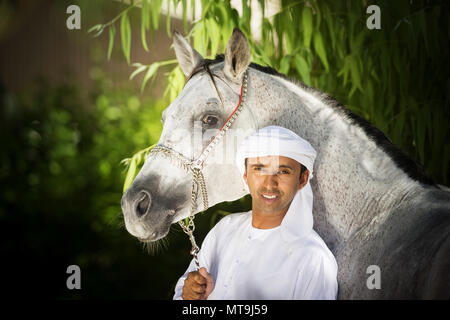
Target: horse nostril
143	204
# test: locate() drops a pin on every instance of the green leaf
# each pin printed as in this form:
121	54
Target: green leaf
176	83
185	11
246	15
125	33
263	9
345	70
156	9
168	19
303	69
131	174
330	24
307	23
144	39
145	23
355	74
98	28
265	32
140	68
150	73
95	28
318	15
285	64
215	38
133	164
193	9
320	49
205	8
145	14
112	34
200	37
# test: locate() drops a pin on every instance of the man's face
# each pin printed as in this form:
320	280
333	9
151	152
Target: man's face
273	182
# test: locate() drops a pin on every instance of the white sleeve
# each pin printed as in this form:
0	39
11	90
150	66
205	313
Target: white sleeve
204	258
317	278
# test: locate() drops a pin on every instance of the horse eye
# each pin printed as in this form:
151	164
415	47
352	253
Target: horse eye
210	120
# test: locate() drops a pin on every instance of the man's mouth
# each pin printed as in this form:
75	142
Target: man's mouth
269	198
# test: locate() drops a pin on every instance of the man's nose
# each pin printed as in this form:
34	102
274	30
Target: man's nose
271	180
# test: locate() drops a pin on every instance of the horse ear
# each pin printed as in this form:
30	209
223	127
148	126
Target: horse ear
237	56
187	57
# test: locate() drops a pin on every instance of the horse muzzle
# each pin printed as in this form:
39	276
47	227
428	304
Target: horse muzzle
148	214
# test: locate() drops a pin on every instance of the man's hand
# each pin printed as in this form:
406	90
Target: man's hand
198	285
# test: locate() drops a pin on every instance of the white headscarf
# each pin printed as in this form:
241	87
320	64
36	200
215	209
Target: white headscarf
279	141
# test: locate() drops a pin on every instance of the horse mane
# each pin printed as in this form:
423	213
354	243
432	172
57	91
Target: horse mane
410	166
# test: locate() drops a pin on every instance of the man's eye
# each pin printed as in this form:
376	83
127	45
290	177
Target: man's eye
284	172
210	120
257	168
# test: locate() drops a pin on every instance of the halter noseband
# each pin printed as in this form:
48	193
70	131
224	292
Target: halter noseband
195	168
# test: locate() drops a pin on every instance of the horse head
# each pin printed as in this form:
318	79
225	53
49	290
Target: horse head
161	192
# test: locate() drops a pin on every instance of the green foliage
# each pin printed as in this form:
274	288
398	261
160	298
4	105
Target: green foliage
393	77
112	34
62	177
125	35
132	164
145	23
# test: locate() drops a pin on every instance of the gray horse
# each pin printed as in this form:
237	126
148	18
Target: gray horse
384	220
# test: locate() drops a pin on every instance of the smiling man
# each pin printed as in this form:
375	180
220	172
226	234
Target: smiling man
272	251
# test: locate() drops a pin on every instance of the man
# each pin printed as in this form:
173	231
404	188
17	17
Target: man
272	251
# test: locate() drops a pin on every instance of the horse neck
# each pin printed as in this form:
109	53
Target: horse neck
355	181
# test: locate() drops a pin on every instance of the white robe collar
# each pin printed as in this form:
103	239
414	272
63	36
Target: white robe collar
298	221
